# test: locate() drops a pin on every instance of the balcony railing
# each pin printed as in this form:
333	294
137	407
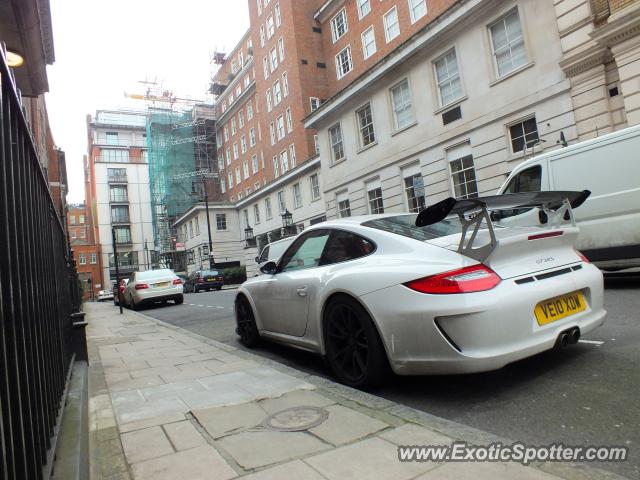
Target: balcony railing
119	199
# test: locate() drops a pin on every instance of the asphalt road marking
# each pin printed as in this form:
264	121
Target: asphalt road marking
591	342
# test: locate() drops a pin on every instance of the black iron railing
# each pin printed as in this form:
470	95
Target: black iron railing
38	295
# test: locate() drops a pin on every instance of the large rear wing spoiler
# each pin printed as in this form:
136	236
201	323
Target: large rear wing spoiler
555	206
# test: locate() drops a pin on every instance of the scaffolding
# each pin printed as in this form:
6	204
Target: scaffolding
180	142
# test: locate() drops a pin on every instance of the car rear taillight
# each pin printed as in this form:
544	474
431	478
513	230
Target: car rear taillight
141	286
582	257
177	281
476	278
121	288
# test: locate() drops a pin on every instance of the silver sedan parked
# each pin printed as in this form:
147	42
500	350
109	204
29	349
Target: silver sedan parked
153	286
430	293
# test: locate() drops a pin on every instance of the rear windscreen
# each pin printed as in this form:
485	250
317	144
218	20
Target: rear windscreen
151	274
210	273
405	225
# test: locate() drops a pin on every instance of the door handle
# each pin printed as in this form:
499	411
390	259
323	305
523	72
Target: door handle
302	291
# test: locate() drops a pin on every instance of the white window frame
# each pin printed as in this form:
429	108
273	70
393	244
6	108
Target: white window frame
267	208
335	35
366	54
269	101
386	24
281	49
447	81
265	67
297	195
315	186
395	110
312	101
289	120
280	127
272	133
276	11
332	145
413	6
243	144
508	45
254	164
252	137
361	12
284	161
276	166
285	84
282	202
235	151
256	214
270	27
361	138
249	110
245	169
292	155
339	72
277	93
273	59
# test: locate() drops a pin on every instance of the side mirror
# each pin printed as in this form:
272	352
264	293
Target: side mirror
495	216
269	268
257	259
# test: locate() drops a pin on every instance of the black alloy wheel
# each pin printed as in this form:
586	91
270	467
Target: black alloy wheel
246	326
353	347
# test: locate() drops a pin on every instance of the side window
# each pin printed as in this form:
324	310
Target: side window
343	246
305	252
529	180
265	254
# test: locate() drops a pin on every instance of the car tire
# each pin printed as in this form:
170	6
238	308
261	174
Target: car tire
134	305
218	288
353	347
179	300
246	327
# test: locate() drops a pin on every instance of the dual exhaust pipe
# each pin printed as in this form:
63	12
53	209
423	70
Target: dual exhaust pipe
568	337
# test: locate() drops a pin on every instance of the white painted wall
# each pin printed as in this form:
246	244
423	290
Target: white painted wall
489	106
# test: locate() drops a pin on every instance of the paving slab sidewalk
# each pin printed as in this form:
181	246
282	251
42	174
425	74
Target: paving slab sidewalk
165	403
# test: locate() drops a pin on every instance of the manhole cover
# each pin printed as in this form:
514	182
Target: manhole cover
296	419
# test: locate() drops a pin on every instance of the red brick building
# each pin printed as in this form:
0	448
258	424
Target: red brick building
86	249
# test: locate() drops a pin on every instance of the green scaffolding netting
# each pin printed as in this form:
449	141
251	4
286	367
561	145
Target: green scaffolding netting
171	152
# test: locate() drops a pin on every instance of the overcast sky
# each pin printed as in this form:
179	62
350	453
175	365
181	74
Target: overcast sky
104	48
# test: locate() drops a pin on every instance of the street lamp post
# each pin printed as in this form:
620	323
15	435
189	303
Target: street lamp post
115	261
212	262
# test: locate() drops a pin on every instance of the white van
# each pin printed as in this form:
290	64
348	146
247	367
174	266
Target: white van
608	166
273	251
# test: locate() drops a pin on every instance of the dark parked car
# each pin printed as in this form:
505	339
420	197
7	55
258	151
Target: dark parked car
204	280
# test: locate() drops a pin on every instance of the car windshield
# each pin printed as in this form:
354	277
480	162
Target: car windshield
405	225
151	274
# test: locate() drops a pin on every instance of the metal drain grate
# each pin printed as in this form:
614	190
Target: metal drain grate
296	419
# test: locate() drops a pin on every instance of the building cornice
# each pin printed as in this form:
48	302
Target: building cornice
459	12
584	60
326	9
619	27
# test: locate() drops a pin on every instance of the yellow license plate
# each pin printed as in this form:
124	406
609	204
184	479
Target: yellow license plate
160	285
559	307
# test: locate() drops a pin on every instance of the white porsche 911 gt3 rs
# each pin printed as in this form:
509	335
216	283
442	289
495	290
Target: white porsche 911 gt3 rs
441	292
